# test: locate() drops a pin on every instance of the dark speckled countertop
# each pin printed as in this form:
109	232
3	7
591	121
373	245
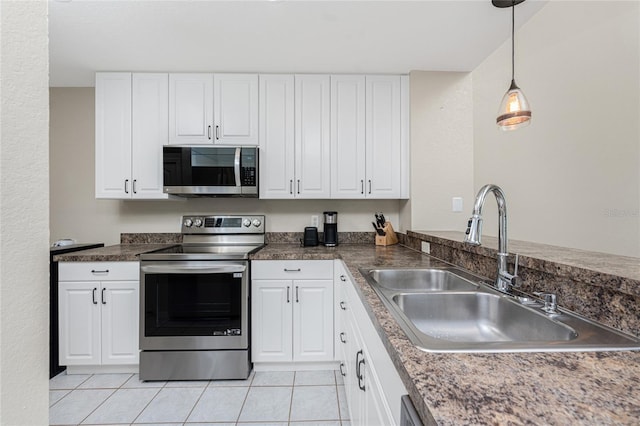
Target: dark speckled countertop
116	253
593	388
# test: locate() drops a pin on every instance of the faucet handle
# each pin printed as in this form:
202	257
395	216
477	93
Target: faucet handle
550	302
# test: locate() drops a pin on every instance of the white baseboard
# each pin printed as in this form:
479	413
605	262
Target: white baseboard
296	366
102	369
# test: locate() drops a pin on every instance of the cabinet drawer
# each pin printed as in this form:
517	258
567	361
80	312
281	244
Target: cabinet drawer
98	271
292	269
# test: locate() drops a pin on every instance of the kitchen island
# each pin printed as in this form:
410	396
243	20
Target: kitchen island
455	388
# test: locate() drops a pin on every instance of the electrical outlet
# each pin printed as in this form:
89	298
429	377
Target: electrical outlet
456	204
314	220
426	247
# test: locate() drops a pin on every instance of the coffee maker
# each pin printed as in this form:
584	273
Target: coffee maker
330	229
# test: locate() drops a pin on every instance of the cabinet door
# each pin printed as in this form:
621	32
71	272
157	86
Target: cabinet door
120	318
271	326
79	323
236	108
375	409
383	129
313	320
355	395
190	108
113	135
347	136
312	113
150	133
276	136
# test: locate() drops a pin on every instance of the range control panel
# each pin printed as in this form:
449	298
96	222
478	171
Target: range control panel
250	224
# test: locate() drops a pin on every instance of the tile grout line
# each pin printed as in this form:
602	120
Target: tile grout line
293	389
106	399
246	396
154	397
197	401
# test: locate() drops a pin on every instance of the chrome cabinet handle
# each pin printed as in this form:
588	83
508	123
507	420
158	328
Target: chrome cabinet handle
217	132
290	186
341	370
288	298
297	296
342	306
209	132
369	186
134	186
342	338
292	270
361	186
102	296
359	373
93	296
298	186
95	271
343	278
126	186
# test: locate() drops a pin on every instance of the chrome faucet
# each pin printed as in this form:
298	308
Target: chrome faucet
504	280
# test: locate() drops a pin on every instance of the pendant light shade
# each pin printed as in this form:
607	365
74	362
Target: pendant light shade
514	109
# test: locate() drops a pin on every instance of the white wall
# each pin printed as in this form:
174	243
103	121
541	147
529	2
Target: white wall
75	213
24	214
572	178
441	150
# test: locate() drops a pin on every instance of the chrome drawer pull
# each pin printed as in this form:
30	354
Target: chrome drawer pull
292	270
94	271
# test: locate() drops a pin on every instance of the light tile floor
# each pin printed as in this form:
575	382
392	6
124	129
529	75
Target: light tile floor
287	398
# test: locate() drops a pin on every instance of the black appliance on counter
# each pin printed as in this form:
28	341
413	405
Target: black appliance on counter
330	229
310	238
54	359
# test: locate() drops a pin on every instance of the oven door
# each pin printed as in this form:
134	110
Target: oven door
194	305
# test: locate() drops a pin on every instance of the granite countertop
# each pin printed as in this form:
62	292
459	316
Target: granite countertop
115	253
504	388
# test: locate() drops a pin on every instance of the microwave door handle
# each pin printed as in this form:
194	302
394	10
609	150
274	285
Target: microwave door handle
237	166
162	269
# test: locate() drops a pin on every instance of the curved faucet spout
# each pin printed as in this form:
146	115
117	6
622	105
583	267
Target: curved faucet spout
474	232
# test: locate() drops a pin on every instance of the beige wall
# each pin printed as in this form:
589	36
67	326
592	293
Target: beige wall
441	150
75	213
572	178
24	214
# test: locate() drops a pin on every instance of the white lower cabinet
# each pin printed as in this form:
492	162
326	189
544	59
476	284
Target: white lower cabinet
292	311
372	385
98	306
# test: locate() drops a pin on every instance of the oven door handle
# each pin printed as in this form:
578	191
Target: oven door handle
172	269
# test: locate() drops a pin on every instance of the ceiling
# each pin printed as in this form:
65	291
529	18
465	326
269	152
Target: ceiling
273	36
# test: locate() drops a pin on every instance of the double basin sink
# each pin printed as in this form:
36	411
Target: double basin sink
451	310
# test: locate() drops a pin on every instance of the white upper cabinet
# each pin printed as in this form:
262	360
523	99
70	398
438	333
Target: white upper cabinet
190	109
131	128
348	136
312	142
369	144
113	135
213	108
383	128
277	142
150	133
236	108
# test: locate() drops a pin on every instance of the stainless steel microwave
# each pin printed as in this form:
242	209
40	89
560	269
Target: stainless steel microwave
211	171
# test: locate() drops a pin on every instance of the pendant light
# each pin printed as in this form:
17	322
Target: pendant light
514	109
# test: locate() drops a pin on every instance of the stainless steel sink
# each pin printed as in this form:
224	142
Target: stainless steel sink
452	310
421	279
478	317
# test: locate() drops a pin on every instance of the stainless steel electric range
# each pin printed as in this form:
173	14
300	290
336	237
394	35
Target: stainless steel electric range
194	301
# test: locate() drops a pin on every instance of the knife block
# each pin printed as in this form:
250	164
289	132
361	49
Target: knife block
389	239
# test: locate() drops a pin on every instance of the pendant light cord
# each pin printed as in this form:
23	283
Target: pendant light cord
513	40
